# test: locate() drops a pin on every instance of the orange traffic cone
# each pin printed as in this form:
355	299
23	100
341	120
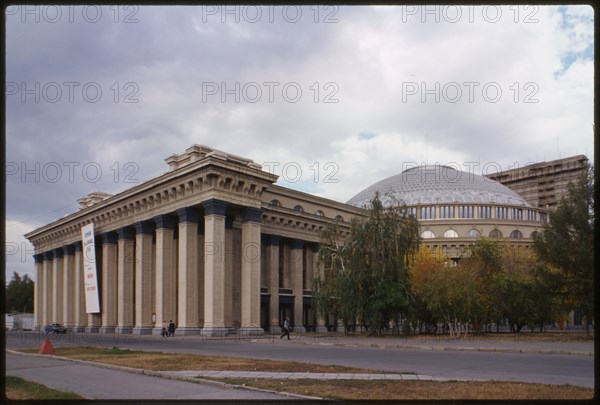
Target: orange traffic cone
47	348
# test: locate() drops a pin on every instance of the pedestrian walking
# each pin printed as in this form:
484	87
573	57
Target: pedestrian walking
286	329
171	328
164	332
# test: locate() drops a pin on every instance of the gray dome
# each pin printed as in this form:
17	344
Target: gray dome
438	184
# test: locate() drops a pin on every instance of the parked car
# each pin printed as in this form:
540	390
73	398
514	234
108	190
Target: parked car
55	328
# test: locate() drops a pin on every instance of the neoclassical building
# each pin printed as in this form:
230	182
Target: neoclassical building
217	247
212	244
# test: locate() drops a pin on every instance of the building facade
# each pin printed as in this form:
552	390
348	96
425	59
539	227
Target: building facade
212	244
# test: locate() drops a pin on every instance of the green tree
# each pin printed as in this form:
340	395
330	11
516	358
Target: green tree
366	278
567	244
19	294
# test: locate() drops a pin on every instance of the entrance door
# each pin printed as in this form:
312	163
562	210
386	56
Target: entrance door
308	318
264	315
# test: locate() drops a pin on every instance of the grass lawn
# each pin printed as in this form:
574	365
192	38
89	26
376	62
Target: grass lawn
20	389
418	390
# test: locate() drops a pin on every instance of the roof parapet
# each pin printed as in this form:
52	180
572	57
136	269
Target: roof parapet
92	199
199	152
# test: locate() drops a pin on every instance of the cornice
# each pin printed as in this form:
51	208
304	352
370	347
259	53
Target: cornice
186	186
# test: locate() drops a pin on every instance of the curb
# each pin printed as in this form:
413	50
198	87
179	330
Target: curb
153	373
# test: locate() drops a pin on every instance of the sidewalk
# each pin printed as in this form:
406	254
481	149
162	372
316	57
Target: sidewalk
300	376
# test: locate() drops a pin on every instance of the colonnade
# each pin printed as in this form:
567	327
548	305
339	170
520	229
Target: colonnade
208	274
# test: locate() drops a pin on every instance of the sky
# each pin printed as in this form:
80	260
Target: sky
331	99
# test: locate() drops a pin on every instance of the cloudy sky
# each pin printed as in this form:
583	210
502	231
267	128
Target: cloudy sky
331	99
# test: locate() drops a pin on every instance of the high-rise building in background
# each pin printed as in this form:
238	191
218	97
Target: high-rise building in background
543	184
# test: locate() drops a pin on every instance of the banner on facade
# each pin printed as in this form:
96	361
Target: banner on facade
92	301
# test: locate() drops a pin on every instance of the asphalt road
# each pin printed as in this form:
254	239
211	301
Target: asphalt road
460	365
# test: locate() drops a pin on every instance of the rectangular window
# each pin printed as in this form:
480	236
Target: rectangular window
446	212
531	215
517	213
484	212
465	211
501	213
543	217
427	212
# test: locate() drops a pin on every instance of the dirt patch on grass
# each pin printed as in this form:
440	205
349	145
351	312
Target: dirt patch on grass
419	390
158	361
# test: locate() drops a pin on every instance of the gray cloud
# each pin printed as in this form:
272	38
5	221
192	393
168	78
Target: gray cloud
154	73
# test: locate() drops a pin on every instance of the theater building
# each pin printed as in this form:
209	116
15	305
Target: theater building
455	208
214	245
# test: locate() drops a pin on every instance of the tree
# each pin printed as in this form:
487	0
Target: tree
19	294
497	281
366	279
426	305
567	244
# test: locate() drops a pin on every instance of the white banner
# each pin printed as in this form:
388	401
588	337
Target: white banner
92	302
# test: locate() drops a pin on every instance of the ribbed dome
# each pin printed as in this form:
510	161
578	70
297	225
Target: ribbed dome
438	184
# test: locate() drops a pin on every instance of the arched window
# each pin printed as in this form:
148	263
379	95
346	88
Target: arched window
427	235
516	234
275	203
339	218
495	234
319	213
534	234
473	233
450	233
298	208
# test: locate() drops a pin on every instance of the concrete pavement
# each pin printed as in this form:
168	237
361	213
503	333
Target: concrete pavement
99	382
299	376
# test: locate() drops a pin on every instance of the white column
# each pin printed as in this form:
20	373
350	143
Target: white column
47	268
188	302
273	272
38	298
143	278
109	283
79	295
57	278
250	253
68	286
214	267
166	291
296	267
231	258
125	280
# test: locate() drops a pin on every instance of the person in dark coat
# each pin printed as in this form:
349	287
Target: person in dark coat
171	329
